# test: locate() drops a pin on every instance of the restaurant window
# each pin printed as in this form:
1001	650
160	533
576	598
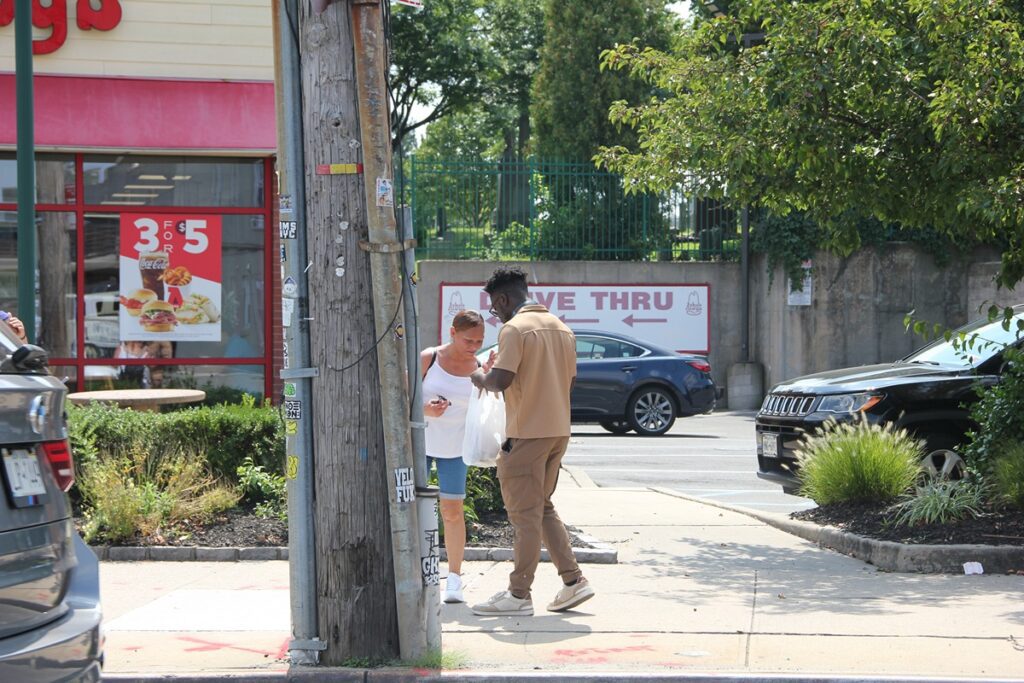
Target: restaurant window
220	203
55	278
173	181
55	178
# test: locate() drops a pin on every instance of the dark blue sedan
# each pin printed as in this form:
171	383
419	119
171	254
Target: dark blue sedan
625	384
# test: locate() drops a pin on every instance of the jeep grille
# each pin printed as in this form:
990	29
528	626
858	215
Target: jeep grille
787	405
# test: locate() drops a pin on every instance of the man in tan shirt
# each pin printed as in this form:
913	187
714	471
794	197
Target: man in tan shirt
535	368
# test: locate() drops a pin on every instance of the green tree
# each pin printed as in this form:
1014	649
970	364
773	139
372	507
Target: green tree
516	34
571	94
907	112
438	59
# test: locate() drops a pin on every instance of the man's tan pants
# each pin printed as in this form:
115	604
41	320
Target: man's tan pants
528	476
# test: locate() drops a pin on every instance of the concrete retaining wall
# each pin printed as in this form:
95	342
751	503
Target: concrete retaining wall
855	315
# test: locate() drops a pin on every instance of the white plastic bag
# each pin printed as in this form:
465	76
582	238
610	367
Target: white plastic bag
485	429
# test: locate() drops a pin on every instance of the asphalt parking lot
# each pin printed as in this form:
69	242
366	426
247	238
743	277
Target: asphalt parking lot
710	456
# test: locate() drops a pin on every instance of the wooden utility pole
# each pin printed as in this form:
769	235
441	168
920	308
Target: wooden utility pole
365	512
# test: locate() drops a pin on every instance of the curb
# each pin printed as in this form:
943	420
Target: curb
171	553
600	553
886	555
407	675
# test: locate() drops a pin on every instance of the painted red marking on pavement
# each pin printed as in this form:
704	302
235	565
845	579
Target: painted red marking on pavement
603	650
210	645
282	652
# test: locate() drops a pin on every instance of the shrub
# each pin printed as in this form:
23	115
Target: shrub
223	435
858	463
940	501
138	490
1007	476
265	490
483	493
999	416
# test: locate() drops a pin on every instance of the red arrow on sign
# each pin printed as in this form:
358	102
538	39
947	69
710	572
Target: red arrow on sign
493	321
568	321
630	320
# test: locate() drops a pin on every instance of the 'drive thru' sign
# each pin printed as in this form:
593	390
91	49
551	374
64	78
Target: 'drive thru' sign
672	316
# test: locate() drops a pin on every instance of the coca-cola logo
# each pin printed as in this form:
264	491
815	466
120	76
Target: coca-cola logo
55	17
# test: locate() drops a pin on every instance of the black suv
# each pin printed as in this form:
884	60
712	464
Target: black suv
929	393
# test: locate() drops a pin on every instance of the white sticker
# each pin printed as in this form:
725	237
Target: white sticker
385	192
287	311
405	487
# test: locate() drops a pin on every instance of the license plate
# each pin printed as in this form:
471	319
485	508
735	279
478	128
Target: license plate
24	478
770	445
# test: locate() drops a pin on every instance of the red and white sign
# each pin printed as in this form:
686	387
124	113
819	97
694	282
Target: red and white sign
671	316
170	267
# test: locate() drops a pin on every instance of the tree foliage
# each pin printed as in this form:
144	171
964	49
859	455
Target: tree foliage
438	57
907	112
571	95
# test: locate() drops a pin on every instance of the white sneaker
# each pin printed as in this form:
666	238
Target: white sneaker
571	596
453	588
504	604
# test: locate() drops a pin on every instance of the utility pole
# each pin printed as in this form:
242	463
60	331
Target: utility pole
369	584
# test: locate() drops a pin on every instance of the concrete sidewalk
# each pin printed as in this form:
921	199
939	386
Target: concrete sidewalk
697	590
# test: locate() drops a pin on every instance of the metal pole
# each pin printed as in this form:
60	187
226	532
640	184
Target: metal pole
387	282
305	646
426	496
745	287
26	167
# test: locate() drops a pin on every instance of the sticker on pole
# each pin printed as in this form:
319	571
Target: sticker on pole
385	192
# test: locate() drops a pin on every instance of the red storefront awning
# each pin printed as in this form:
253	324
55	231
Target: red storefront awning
73	112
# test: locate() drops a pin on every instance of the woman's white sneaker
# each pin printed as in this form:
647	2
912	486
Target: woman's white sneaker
453	588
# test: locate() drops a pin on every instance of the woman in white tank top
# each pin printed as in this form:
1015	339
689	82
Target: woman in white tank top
446	389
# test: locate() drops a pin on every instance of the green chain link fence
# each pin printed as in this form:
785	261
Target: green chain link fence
547	210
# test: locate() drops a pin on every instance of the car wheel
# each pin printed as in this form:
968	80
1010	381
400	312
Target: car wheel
942	461
617	426
651	411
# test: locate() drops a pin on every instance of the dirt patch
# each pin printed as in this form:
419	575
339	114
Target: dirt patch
998	527
243	529
494	531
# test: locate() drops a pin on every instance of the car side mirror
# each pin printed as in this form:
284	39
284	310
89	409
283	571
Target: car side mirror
27	358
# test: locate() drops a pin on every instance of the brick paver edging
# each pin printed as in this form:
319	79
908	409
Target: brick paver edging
888	555
599	553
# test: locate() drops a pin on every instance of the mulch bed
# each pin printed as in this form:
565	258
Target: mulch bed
1003	527
242	528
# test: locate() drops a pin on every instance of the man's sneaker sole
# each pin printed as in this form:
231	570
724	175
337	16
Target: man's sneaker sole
524	612
452	599
576	600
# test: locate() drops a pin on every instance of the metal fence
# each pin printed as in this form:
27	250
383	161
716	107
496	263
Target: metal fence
546	210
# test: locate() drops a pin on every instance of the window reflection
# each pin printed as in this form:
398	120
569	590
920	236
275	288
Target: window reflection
220	382
55	178
55	295
172	181
242	292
